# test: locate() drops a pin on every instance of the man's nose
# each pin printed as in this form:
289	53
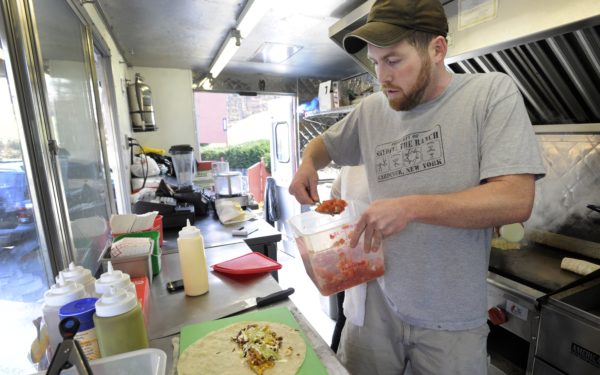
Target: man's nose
383	74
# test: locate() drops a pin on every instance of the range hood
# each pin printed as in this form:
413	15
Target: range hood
551	48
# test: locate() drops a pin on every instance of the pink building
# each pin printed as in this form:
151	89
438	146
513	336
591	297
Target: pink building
211	117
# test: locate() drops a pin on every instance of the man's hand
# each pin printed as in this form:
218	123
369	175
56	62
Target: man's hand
304	185
381	219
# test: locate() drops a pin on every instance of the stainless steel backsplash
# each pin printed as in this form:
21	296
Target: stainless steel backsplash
571	183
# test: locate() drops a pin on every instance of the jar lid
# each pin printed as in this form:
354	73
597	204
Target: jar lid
179	149
83	309
63	292
115	302
77	273
110	278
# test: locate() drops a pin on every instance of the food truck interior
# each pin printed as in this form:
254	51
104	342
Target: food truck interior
85	85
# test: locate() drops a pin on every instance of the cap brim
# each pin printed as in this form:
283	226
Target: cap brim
379	34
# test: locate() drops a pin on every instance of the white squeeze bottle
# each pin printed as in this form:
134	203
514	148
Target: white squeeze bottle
56	297
81	276
193	260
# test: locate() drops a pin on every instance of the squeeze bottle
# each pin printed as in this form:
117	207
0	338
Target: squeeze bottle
57	296
119	323
114	278
192	260
81	276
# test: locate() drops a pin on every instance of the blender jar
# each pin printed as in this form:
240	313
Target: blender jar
183	161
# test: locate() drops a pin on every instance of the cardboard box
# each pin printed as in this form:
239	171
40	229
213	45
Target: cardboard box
329	97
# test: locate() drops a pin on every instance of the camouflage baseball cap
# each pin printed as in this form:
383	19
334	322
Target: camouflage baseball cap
390	21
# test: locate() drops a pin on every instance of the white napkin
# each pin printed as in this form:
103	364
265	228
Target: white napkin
130	246
354	304
132	223
230	212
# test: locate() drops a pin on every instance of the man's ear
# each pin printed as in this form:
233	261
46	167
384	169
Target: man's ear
438	48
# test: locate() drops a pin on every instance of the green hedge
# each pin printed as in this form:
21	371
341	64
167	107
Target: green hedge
240	156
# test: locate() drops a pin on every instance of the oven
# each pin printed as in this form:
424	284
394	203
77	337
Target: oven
528	313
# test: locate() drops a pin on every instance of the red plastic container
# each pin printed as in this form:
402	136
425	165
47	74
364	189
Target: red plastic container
158	226
247	264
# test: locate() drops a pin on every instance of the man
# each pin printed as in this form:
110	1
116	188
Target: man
448	157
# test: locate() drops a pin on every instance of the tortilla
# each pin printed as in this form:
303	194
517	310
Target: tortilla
218	353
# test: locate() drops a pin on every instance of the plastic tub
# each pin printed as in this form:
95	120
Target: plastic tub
324	245
144	361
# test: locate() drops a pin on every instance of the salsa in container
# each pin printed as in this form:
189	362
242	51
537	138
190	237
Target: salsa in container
324	245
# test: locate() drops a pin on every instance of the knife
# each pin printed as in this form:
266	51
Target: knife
249	303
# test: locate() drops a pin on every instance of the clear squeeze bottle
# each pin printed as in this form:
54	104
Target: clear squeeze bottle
119	323
193	260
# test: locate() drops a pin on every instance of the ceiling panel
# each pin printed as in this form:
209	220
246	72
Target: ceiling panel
186	34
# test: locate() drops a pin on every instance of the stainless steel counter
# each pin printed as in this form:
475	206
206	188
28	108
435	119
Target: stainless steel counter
217	234
169	312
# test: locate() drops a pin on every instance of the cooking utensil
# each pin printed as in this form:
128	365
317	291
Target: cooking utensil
249	303
191	333
594	207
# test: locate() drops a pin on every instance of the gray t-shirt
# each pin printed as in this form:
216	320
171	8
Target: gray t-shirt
478	128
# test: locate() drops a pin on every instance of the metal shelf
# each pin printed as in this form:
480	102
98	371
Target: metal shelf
332	113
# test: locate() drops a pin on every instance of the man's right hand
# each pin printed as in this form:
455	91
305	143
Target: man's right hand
304	185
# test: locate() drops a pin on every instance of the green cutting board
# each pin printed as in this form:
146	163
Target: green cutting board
312	365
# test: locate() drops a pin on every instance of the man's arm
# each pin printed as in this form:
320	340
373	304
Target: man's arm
502	200
304	183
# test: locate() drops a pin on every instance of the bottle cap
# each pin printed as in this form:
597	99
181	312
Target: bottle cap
82	309
63	292
112	278
77	273
115	302
189	231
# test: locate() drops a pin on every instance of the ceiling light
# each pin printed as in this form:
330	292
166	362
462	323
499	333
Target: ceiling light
205	83
252	13
228	49
275	53
250	16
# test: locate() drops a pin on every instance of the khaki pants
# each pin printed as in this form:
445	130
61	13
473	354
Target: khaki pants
387	345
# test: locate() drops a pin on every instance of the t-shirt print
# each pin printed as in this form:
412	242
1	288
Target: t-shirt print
413	153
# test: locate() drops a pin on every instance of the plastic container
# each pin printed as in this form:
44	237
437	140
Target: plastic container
247	264
119	323
144	361
56	297
324	245
83	309
113	278
193	260
79	275
155	255
228	184
183	161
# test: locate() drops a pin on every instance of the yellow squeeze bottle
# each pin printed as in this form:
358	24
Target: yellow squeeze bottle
192	260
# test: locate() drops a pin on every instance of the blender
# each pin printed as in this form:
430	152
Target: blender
183	162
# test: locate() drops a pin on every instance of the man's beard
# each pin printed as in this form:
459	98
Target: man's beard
415	95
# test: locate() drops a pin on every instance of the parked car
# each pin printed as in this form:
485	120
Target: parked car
16	208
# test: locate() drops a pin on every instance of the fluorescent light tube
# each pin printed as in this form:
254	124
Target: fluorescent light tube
252	13
225	54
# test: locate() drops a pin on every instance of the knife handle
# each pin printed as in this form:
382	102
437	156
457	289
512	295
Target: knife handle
274	297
